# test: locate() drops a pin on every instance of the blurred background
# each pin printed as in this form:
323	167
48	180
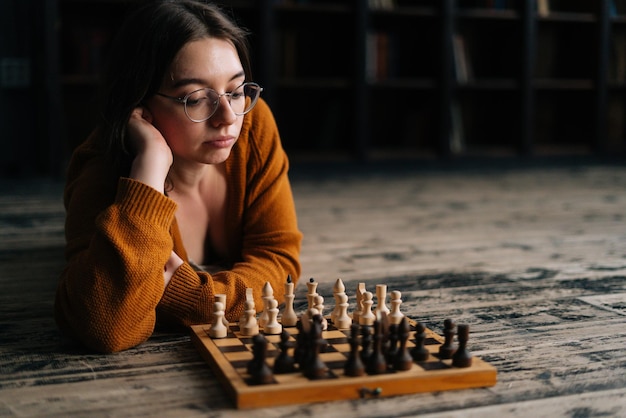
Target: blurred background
351	80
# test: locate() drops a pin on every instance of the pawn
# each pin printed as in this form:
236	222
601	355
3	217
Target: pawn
319	305
342	319
420	352
396	316
447	348
272	326
315	367
367	317
218	330
462	357
248	325
222	299
284	363
249	296
403	360
366	343
354	365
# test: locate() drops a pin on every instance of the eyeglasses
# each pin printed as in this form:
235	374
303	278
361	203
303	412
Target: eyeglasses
201	104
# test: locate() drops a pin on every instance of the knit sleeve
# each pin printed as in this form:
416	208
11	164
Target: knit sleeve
113	279
262	219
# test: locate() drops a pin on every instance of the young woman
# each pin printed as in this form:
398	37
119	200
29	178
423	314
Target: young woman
181	192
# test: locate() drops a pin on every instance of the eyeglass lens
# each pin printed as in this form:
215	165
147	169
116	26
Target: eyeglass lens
202	104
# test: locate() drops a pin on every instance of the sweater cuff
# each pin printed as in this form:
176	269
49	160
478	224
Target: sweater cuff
183	295
139	199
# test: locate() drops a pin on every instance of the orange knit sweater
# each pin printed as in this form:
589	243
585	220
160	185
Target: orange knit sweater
120	233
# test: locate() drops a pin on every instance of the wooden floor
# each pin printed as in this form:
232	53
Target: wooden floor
532	256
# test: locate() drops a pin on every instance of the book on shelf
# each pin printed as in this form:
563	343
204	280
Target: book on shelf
457	138
618	67
378	55
462	65
543	7
381	4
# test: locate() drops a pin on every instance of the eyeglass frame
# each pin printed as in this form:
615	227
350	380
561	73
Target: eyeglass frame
228	95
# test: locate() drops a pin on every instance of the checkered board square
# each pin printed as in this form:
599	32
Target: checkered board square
228	358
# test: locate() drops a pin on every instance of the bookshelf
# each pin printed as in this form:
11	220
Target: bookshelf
408	78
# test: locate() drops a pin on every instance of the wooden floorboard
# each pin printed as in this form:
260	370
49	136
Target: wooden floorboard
532	257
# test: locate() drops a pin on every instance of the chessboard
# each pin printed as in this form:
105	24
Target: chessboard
229	358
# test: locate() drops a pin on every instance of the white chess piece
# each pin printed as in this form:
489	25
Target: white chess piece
343	320
289	317
218	330
367	317
381	299
221	298
319	305
311	292
338	290
272	327
396	300
360	290
268	295
249	296
249	325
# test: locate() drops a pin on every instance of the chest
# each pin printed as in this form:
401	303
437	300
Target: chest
202	223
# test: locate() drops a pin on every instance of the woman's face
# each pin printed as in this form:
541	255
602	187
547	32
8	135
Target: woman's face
208	62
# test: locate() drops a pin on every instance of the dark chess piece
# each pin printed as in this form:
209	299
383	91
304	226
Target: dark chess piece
462	357
420	352
260	372
315	367
354	365
447	349
366	343
300	350
403	360
284	363
376	362
392	343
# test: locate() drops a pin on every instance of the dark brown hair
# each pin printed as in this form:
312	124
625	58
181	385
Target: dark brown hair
142	52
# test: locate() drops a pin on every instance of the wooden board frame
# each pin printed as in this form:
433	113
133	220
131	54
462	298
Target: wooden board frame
294	388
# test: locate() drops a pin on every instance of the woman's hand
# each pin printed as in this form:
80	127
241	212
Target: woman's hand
153	157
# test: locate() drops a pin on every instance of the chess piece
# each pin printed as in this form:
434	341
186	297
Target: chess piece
447	348
395	316
289	317
218	330
272	326
260	373
376	362
367	317
354	365
249	296
249	326
319	305
268	294
403	360
360	290
420	352
381	299
315	367
462	357
343	320
222	299
366	343
284	363
392	348
311	292
339	289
